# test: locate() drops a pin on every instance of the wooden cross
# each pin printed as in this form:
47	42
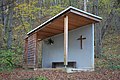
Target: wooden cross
81	39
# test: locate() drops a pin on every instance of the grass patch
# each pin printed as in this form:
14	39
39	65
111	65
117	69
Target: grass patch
110	57
108	61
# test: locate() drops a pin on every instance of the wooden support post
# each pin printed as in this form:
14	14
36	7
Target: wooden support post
65	41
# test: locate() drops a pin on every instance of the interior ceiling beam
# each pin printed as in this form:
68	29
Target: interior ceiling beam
55	29
57	24
62	21
48	32
41	36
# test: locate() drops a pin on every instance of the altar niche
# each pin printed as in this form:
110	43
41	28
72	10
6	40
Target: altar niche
59	45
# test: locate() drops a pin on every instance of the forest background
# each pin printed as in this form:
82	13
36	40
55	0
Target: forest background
17	17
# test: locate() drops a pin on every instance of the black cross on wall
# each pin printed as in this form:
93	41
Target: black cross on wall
81	40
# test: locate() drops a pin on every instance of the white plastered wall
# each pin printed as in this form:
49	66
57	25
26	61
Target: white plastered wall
84	57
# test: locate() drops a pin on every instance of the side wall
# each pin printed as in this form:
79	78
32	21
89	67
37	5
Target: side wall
83	57
32	51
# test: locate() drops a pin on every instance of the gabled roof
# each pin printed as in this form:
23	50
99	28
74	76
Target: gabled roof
77	18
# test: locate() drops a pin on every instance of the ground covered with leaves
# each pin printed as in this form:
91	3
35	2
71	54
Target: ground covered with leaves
60	75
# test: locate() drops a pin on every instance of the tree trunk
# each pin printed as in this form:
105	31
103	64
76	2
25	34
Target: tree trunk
9	39
107	24
2	11
9	35
98	40
4	18
85	5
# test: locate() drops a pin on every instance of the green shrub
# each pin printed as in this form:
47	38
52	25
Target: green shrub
41	78
6	60
37	78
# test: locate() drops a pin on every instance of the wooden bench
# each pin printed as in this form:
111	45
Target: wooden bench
61	64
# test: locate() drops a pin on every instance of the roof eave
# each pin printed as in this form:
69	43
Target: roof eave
61	13
48	21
